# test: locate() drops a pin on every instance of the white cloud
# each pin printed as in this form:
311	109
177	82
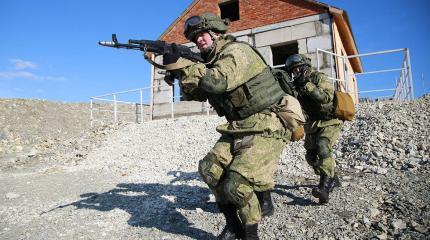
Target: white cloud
18	74
21	64
31	76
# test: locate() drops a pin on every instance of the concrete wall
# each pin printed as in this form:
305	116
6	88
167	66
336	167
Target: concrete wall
344	69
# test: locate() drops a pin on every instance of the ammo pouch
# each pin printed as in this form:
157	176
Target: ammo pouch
291	115
344	106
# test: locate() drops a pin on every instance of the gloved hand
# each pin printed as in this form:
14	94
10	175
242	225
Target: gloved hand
301	80
309	87
171	57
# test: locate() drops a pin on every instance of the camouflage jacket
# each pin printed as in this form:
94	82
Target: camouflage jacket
224	78
317	97
235	79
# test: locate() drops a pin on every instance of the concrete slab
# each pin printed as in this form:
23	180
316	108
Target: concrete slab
323	42
273	37
303	48
303	30
290	23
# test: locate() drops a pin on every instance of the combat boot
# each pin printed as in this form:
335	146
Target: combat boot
324	188
266	204
233	229
251	232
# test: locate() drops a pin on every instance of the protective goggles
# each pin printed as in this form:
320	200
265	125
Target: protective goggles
193	22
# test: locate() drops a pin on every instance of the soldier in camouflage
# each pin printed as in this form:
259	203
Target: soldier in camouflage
239	85
316	95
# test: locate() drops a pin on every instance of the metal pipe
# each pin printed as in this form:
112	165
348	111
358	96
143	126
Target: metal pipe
408	57
141	106
318	59
277	66
151	92
378	90
114	109
376	53
109	100
336	79
122	92
91	112
403	81
331	53
172	99
379	71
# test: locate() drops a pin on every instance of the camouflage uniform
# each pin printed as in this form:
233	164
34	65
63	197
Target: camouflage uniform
244	159
322	128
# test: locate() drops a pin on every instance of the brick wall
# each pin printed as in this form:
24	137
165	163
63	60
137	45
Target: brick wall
253	13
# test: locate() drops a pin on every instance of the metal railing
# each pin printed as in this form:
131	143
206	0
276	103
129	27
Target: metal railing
109	106
131	105
403	89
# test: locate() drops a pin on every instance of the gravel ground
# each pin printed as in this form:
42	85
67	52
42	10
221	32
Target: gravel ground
140	181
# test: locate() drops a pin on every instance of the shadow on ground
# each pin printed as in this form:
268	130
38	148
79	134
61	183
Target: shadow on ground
285	190
153	205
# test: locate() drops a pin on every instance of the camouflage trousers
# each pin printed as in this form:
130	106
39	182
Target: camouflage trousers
243	161
319	140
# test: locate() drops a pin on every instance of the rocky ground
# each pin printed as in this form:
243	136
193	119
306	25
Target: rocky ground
62	179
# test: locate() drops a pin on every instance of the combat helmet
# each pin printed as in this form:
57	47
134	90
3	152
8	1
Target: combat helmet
297	60
204	22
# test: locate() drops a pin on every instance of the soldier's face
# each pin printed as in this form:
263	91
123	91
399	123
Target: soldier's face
203	40
296	71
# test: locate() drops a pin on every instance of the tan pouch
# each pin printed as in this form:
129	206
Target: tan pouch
291	114
345	108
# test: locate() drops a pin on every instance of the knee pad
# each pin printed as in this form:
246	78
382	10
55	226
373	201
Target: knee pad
237	189
324	148
211	170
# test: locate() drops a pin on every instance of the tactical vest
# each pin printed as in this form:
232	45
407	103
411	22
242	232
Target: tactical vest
313	109
257	94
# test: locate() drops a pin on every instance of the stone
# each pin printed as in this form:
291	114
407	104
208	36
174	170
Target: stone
398	224
374	212
381	171
382	236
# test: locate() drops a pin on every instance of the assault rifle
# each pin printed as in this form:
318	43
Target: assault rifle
157	47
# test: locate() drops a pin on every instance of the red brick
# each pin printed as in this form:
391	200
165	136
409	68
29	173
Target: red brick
253	13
